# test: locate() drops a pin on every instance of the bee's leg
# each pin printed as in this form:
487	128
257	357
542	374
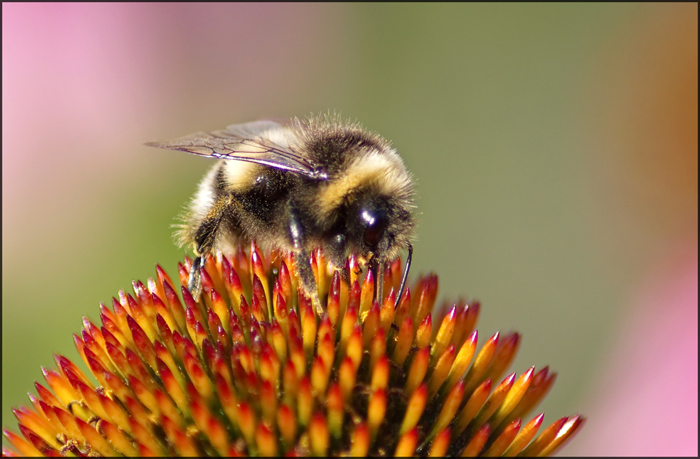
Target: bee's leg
204	238
307	280
194	283
379	281
405	274
345	274
335	249
376	266
301	260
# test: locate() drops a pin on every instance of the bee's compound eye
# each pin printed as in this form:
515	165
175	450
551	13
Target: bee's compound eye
375	221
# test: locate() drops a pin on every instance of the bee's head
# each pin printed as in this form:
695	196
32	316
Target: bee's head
376	226
367	204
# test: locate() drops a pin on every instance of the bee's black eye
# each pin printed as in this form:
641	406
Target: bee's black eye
375	221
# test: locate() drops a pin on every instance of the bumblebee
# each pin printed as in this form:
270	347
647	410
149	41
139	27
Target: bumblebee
296	186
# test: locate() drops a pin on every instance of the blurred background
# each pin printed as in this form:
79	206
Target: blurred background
555	149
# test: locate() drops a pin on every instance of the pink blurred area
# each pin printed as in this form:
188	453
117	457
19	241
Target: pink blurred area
644	398
85	85
70	64
646	402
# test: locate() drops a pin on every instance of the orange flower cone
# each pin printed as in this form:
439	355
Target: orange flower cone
252	369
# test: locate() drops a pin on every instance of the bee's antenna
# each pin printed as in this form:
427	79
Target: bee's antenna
405	275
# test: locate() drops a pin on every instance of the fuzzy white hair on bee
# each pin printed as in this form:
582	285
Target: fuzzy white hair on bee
299	185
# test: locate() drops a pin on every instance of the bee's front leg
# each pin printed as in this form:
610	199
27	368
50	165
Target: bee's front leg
335	249
205	237
194	283
307	282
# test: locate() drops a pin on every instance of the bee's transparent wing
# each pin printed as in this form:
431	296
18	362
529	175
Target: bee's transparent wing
262	142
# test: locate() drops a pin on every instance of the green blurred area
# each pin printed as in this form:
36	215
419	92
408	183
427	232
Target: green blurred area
498	110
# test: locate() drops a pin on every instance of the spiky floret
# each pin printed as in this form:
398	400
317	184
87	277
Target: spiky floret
253	370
